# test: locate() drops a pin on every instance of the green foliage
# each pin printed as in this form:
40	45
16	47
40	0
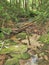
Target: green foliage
25	56
7	12
5	50
6	30
6	16
9	42
0	43
44	38
34	14
16	58
15	10
1	7
2	36
43	15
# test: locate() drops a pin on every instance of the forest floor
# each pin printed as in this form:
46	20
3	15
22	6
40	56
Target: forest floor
36	47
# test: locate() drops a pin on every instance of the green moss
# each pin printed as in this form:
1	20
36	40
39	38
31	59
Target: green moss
5	50
44	38
13	61
21	56
16	58
1	36
25	56
18	48
0	45
13	48
7	30
21	35
10	42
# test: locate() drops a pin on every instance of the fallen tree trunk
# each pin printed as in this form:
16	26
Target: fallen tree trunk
16	31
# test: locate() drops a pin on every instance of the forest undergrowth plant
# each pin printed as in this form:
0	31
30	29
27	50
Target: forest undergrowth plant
44	38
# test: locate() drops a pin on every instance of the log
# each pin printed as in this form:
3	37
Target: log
16	31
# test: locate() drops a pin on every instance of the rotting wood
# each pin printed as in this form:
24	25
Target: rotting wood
16	31
33	28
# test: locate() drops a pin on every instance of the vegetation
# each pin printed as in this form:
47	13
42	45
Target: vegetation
16	58
14	49
1	35
12	9
21	35
44	38
18	19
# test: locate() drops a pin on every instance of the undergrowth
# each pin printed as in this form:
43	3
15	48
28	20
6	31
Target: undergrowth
44	38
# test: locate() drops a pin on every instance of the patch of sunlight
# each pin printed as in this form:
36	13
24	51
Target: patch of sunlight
16	46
